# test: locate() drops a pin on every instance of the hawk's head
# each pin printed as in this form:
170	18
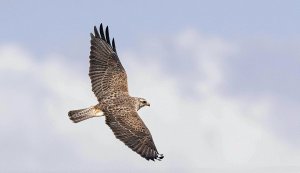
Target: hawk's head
141	102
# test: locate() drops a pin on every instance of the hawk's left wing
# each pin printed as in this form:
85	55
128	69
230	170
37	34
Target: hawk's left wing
106	71
130	129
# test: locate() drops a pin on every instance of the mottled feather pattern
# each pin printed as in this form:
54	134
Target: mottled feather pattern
130	129
83	114
109	84
106	71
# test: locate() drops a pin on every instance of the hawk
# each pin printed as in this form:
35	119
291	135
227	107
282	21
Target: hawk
109	84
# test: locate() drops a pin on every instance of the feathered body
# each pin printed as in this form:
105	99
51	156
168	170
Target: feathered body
109	84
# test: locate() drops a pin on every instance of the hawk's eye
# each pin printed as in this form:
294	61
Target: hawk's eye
143	101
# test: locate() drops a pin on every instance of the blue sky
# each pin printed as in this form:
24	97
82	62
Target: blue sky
222	78
41	23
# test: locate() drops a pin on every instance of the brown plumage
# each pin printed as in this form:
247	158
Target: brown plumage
109	84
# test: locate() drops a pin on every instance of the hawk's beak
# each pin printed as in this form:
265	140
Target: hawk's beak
148	104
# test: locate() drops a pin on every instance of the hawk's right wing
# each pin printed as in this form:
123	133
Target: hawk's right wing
130	129
106	71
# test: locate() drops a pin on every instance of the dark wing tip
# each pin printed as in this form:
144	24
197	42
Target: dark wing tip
104	36
114	45
96	32
107	35
152	155
102	32
160	157
92	35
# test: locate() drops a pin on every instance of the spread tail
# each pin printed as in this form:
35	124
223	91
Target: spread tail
83	114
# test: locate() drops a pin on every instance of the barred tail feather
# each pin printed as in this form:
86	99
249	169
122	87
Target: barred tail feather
83	114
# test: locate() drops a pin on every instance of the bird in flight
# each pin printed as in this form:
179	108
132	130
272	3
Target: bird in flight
109	84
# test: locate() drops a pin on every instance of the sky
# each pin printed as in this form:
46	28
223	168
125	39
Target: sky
222	78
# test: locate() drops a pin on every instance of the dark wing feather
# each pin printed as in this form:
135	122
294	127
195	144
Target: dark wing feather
106	71
130	129
107	35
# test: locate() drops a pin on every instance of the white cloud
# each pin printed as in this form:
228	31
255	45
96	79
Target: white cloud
212	132
215	130
14	58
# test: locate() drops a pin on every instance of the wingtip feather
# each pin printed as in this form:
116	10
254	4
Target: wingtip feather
104	35
114	45
102	32
107	35
96	32
92	35
160	157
